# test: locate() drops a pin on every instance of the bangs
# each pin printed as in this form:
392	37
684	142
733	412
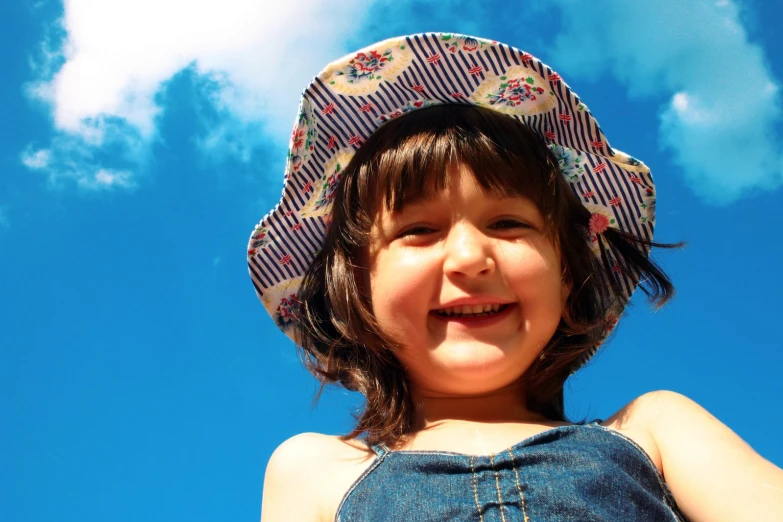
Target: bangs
410	158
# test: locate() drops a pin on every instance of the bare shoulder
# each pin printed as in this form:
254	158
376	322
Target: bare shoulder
634	421
303	449
308	474
713	474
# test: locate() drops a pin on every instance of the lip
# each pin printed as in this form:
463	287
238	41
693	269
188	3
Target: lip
475	322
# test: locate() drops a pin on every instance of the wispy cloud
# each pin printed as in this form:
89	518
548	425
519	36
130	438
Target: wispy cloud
102	157
106	178
36	159
723	102
101	66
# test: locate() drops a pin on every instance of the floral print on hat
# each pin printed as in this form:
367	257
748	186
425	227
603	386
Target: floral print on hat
362	72
519	91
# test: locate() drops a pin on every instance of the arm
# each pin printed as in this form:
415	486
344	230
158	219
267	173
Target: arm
713	474
289	489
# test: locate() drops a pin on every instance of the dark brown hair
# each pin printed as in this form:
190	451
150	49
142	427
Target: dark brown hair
407	158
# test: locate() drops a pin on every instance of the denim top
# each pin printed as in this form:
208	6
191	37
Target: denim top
570	473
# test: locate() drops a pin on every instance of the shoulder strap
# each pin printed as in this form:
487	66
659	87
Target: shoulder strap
380	449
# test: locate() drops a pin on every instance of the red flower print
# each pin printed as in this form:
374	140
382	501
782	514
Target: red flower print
598	223
297	138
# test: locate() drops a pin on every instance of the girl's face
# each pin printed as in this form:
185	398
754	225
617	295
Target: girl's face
468	283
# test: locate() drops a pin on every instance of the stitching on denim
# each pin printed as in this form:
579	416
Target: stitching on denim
497	487
667	494
519	486
358	481
475	489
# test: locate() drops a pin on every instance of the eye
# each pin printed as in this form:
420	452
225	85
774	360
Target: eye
508	224
418	230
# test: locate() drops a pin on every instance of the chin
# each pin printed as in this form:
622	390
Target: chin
479	372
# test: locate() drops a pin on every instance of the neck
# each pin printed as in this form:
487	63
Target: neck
506	405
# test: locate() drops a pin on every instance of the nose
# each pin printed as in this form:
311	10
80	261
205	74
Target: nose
468	252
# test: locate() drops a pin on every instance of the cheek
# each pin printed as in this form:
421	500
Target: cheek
401	288
538	279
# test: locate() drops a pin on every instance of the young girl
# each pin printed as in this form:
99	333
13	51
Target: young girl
456	238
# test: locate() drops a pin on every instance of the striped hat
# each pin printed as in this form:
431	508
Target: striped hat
358	93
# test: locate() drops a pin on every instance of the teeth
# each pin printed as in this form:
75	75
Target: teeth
469	309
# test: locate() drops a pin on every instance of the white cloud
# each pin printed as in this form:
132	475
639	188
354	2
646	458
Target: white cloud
105	179
36	160
719	123
82	158
101	79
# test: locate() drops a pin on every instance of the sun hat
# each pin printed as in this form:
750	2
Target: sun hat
358	93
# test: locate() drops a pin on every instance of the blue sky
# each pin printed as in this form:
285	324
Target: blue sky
139	376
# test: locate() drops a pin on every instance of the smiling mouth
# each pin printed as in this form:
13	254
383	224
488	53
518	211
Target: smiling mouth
470	311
